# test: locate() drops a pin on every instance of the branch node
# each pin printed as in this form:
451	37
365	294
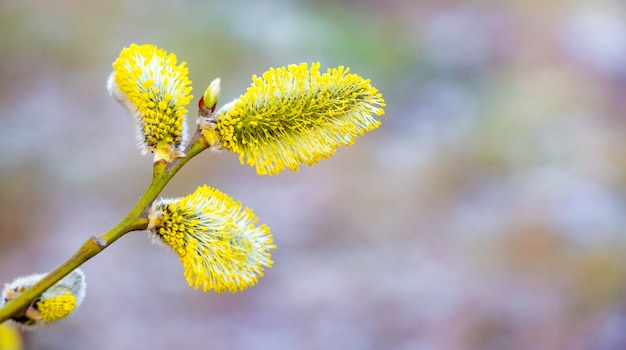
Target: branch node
100	242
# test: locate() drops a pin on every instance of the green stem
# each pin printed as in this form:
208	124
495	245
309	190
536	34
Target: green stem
135	220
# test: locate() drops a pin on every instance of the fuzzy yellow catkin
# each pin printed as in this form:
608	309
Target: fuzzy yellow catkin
155	89
296	115
218	241
56	303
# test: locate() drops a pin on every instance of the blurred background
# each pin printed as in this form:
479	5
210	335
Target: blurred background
487	211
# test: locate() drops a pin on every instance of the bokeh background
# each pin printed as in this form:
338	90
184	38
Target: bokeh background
487	212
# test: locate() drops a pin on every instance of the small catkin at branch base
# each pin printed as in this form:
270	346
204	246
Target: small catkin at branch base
56	303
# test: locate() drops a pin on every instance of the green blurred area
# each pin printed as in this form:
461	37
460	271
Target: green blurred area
487	212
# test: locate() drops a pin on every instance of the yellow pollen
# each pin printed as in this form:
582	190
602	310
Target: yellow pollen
55	308
158	89
295	114
218	242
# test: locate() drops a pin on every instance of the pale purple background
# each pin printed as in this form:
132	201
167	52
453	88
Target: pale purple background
487	212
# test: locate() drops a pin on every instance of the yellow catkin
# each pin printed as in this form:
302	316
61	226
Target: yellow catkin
149	81
218	242
293	115
55	308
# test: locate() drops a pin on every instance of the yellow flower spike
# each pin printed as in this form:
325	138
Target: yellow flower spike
54	304
218	242
56	308
293	115
156	90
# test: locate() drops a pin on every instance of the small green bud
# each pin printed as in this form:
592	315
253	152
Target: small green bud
212	94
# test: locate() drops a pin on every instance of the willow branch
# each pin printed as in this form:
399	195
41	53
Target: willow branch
136	220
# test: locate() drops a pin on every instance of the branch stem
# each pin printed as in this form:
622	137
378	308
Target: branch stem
136	220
